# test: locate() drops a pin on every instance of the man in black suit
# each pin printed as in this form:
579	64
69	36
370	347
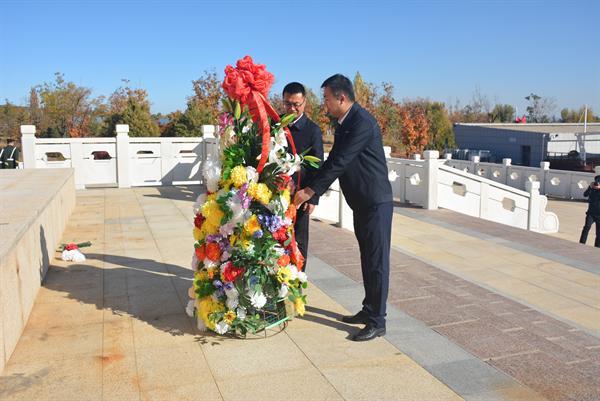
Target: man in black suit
307	137
358	161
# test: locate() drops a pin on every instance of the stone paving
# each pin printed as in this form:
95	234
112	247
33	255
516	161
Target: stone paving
114	328
477	311
558	360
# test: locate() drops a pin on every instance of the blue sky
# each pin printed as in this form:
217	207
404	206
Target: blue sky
442	50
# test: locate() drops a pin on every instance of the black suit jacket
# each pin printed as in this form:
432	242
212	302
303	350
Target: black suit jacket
307	135
357	159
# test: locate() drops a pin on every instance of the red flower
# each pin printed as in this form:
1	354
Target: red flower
282	181
281	235
213	251
230	272
198	220
200	252
71	246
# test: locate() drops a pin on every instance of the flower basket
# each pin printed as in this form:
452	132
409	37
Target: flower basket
246	261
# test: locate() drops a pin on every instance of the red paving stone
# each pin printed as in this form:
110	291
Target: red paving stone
558	361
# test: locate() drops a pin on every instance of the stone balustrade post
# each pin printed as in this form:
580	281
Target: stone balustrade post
533	212
431	174
544	170
123	162
28	145
506	163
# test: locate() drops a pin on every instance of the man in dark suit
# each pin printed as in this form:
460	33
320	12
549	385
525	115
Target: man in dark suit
358	161
307	137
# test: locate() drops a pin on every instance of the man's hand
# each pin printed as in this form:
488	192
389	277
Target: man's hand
302	196
308	208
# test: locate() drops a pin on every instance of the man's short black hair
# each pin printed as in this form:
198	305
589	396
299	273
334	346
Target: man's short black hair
597	179
339	84
294	87
10	141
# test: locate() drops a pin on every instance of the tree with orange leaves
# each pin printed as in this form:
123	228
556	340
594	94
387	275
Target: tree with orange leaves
415	129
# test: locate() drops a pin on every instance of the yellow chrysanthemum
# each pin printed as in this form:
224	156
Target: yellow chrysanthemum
205	307
286	195
239	176
201	275
232	239
212	213
198	234
260	192
229	317
209	228
246	243
284	274
251	225
299	305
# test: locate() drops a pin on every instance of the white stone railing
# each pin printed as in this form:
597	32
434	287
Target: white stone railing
126	162
431	184
558	183
121	161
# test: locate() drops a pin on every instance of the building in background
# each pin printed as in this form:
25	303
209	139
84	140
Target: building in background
563	144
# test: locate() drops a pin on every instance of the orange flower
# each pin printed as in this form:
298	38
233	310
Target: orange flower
213	251
290	213
200	252
283	260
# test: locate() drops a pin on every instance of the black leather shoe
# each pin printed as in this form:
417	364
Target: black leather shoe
368	333
360	318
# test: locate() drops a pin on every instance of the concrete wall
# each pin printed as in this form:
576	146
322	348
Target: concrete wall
503	143
36	205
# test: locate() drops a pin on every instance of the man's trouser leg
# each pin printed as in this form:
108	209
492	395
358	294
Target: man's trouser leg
373	228
589	219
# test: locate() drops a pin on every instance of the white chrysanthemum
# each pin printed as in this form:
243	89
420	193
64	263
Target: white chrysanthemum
302	277
293	272
227	229
209	264
241	313
283	291
221	327
200	200
189	309
279	250
251	174
258	299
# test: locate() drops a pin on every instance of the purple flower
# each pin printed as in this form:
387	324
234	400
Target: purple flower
271	222
258	234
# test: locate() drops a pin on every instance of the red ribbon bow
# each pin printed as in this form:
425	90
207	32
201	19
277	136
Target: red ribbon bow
249	83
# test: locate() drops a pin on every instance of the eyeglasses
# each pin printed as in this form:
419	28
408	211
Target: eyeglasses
293	104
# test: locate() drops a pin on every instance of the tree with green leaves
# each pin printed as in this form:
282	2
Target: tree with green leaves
130	106
67	109
502	113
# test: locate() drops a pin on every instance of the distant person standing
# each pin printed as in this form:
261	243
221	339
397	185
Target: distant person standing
1	157
593	213
10	155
